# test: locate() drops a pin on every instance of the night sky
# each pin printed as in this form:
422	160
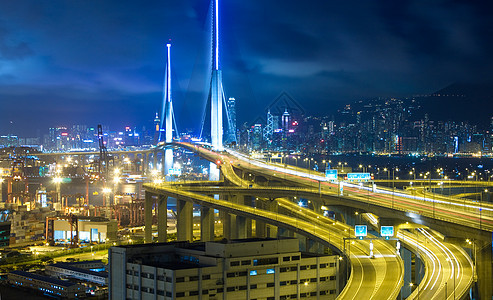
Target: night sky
90	62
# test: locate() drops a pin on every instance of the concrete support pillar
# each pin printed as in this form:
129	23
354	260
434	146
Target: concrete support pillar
239	224
154	160
317	207
247	200
260	229
163	162
184	220
145	163
283	232
226	222
162	218
406	288
302	242
148	217
484	268
260	226
311	246
233	219
419	269
346	215
271	229
206	224
249	229
241	227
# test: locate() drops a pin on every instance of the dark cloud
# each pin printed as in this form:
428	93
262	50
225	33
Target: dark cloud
106	59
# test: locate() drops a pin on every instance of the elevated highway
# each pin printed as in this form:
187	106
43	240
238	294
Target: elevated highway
442	260
459	218
454	218
371	278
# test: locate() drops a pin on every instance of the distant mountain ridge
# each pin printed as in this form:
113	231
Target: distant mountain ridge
468	102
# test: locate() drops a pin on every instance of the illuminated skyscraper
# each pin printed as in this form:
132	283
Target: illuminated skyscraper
157	128
231	109
269	128
286	125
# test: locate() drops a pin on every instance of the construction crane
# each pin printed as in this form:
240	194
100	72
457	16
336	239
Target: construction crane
73	222
103	163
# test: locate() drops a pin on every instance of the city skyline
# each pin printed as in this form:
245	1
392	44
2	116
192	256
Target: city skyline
109	64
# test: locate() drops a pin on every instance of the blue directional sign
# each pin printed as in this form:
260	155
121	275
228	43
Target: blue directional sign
173	171
360	230
331	174
387	231
358	176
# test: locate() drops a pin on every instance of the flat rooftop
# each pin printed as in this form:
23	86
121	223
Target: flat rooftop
70	267
47	279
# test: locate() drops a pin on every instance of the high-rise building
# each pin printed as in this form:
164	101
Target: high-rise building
231	109
238	269
286	125
257	136
331	127
157	128
269	128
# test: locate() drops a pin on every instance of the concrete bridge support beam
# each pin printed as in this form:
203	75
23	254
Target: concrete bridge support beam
243	225
312	246
283	232
260	229
148	217
247	200
241	228
419	269
163	162
162	218
484	268
226	223
145	163
272	206
347	215
260	226
233	223
206	224
406	257
154	160
317	207
302	242
184	220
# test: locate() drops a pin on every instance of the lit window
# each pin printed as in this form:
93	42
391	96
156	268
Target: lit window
253	272
271	271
